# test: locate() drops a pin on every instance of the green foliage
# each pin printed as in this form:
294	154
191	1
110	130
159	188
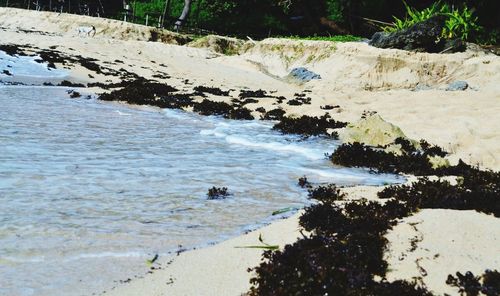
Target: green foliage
461	23
334	10
337	38
154	6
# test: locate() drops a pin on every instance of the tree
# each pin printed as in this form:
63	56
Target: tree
184	15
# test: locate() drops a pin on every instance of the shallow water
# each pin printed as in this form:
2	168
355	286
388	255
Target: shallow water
89	190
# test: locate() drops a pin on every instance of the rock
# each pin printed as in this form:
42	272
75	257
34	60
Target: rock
372	130
423	36
457	85
302	74
422	86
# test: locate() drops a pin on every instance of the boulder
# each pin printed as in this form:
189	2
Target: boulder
372	130
457	86
423	37
302	74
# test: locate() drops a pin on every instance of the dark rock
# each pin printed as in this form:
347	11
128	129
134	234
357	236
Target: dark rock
457	85
423	36
304	75
7	72
421	87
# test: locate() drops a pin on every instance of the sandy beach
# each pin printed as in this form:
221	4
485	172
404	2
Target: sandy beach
406	89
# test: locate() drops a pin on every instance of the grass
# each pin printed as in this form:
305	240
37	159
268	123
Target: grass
337	38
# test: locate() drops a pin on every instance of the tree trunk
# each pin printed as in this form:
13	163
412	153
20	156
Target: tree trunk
333	26
184	15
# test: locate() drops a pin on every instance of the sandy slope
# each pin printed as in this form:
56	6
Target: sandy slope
356	77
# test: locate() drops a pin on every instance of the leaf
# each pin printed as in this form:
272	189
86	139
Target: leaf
285	210
265	247
151	261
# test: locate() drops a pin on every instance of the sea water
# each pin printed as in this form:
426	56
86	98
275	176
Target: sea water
89	191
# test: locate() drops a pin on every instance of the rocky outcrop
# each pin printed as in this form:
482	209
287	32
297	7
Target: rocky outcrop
301	74
423	36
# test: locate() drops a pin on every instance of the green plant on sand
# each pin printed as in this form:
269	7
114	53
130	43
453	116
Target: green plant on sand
460	23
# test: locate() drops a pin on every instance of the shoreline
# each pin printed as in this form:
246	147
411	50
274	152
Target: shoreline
384	82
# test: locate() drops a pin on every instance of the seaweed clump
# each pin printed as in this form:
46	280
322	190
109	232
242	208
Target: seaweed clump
412	160
326	193
253	94
70	84
471	285
275	114
207	107
476	190
211	90
215	193
309	126
11	49
143	92
341	255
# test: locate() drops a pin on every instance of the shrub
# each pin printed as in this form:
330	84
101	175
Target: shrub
460	23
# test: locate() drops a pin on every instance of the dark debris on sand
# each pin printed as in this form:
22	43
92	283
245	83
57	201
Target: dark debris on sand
211	90
344	250
412	161
471	285
343	253
12	49
309	126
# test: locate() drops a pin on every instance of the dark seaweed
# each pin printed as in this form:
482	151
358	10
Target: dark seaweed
143	92
300	99
275	114
253	94
329	107
341	256
471	285
261	110
217	193
74	95
211	90
122	83
482	196
11	49
344	250
249	101
304	183
413	161
326	194
308	126
207	107
70	84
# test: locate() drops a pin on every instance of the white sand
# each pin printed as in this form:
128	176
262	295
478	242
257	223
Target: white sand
355	76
